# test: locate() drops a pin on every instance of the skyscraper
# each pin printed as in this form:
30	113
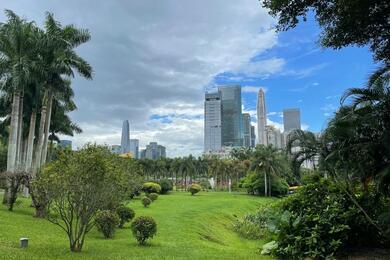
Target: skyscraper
291	119
153	151
212	122
231	115
253	136
261	118
125	141
134	148
246	121
274	137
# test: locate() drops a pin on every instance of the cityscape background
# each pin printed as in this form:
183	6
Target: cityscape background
156	74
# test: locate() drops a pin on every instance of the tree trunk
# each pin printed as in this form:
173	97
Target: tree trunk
30	142
265	185
269	185
19	153
47	130
38	153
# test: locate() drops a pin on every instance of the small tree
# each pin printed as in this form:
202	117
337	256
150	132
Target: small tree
125	215
146	202
106	221
166	186
143	228
194	188
77	186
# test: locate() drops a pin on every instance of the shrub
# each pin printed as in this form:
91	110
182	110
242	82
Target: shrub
151	187
153	196
254	225
125	215
166	186
146	202
143	229
194	188
106	221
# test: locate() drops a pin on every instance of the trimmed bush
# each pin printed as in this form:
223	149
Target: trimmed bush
194	188
146	202
143	229
166	186
106	221
151	187
153	196
125	215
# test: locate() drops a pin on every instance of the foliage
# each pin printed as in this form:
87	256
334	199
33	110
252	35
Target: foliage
166	186
77	186
151	187
152	196
146	202
194	188
254	184
106	221
344	23
125	214
254	226
143	228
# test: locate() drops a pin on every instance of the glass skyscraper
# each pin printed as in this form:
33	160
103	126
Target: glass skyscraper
291	119
246	122
212	122
125	141
231	115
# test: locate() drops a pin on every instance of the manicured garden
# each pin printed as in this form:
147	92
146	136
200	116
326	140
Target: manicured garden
192	227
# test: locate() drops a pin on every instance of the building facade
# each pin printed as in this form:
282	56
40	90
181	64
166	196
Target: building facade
253	136
291	119
231	116
154	151
246	122
274	137
261	118
212	123
134	148
125	140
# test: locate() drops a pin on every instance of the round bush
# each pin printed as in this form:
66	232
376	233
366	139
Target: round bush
151	187
153	196
166	186
143	228
125	215
194	188
106	221
146	201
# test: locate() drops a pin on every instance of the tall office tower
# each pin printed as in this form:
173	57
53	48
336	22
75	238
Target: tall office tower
246	121
155	151
291	119
253	136
134	148
125	141
212	122
231	111
274	137
261	118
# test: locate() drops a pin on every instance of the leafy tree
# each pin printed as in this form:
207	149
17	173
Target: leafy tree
76	186
358	22
106	222
125	215
143	229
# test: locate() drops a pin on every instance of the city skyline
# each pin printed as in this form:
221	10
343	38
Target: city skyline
164	93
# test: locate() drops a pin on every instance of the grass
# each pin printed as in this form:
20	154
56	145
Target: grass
188	227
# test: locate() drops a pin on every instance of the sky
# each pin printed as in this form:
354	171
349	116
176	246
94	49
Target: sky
154	60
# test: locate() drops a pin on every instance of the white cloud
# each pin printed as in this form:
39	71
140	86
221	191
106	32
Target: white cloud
253	89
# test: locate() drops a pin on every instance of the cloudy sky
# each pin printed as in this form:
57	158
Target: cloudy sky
153	61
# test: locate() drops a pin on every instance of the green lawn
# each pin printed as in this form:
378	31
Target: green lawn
188	227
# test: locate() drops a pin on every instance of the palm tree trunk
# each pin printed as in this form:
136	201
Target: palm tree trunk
19	154
38	153
30	142
12	141
47	129
269	185
265	185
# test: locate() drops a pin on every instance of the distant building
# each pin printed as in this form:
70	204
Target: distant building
116	149
212	122
153	151
231	111
125	141
291	119
66	144
274	137
134	148
253	136
261	118
246	122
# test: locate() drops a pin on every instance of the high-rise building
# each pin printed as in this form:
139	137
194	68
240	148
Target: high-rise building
231	116
153	151
134	148
125	141
291	119
212	122
253	136
274	137
261	118
246	122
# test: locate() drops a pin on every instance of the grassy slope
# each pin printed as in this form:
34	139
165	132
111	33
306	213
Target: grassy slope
192	227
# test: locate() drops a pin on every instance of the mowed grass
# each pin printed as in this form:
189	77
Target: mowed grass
188	227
